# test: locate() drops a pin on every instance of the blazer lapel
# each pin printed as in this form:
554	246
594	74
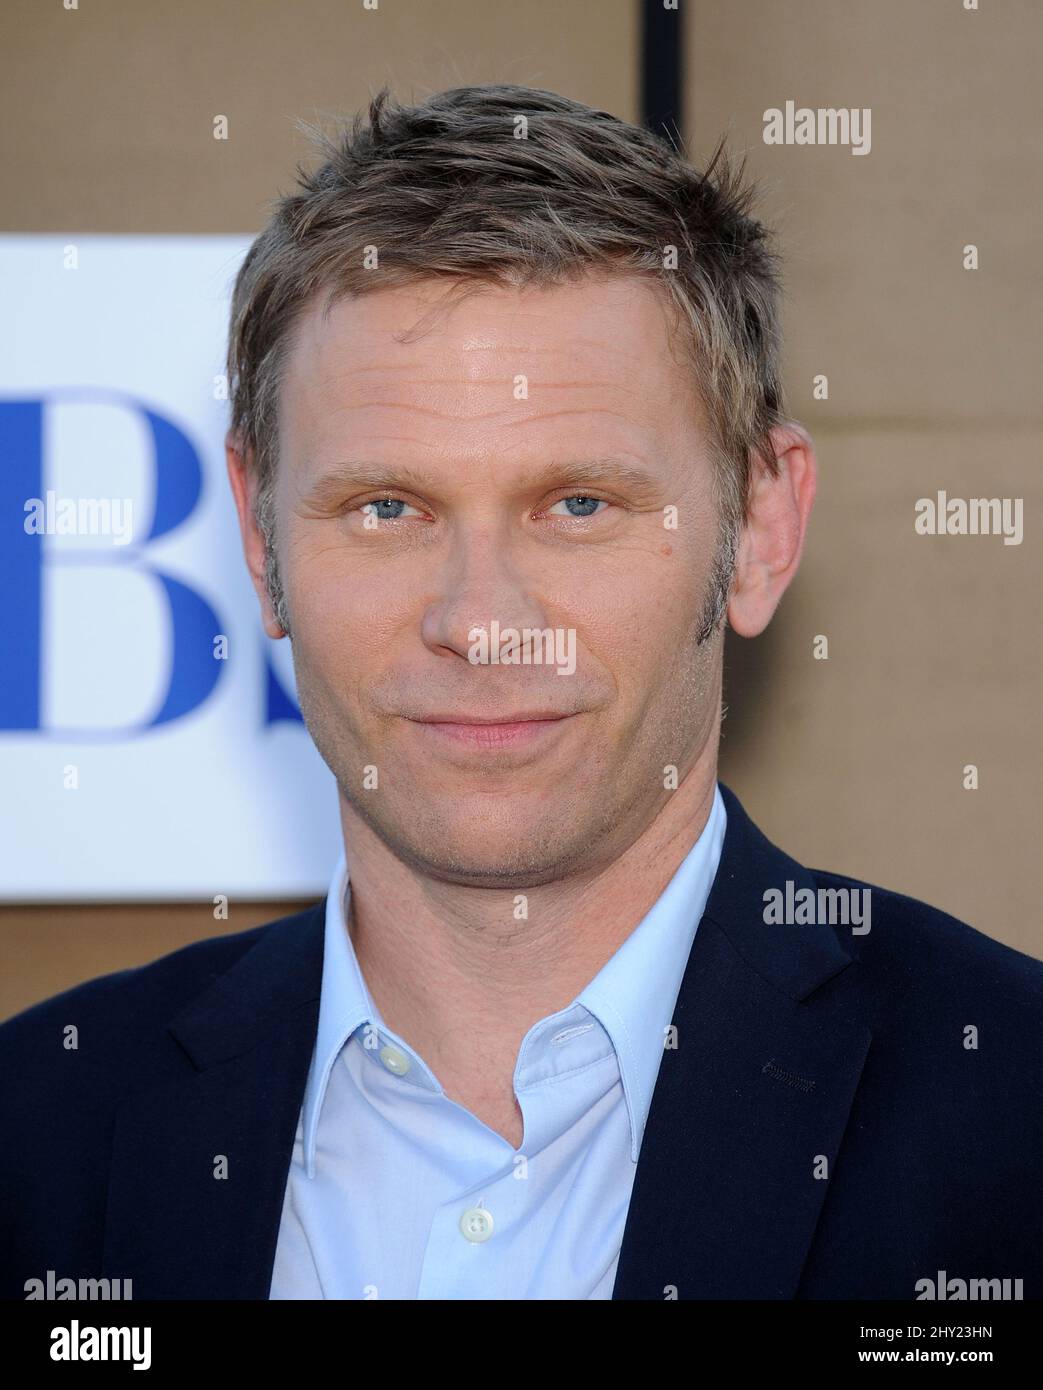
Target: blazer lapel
200	1157
749	1110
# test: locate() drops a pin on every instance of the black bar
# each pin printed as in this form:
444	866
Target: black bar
662	61
195	1341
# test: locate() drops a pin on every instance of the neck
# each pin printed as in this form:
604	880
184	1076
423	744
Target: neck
456	974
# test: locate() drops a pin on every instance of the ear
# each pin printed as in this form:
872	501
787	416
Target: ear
243	477
772	540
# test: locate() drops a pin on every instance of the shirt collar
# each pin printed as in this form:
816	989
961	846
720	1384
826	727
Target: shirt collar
634	993
632	996
345	1004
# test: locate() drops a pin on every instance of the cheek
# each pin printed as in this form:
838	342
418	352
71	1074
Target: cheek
635	618
345	608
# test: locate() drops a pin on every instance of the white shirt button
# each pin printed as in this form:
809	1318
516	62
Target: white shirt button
394	1060
476	1224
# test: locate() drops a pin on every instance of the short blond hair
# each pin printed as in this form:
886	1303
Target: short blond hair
446	188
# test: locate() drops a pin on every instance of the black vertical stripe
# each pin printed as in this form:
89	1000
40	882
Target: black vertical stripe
661	69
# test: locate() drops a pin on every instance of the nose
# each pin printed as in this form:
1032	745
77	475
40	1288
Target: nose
480	583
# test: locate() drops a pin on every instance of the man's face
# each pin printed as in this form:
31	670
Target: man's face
518	464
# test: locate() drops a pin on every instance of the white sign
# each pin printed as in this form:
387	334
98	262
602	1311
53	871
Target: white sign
150	741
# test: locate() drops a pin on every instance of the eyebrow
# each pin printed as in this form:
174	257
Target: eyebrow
363	473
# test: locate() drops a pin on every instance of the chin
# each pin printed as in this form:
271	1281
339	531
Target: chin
506	846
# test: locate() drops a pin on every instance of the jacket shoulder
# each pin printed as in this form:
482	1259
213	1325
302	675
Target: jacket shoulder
69	1062
111	1012
907	943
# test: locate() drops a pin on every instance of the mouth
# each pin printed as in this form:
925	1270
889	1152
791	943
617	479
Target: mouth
479	731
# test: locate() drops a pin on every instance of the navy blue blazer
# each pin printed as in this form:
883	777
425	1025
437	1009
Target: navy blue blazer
822	1130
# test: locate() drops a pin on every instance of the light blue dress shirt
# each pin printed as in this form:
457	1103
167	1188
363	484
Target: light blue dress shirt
397	1192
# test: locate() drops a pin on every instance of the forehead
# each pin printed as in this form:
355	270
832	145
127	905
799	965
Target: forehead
598	353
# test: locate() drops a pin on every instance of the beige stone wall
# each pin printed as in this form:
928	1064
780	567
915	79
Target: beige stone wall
854	763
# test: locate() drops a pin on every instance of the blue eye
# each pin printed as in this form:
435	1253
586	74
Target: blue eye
580	506
387	509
